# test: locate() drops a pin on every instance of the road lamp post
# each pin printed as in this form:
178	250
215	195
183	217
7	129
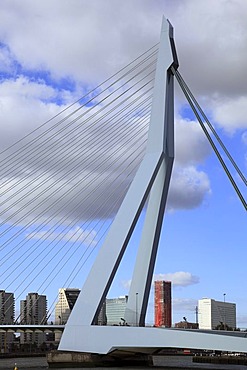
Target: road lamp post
137	309
224	311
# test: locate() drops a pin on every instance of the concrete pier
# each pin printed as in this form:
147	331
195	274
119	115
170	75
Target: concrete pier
64	359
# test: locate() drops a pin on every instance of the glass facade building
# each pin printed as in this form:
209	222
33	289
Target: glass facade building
115	310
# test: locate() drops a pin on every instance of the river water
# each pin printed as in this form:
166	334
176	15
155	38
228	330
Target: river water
166	362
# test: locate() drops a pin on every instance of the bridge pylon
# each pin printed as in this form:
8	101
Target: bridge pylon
150	185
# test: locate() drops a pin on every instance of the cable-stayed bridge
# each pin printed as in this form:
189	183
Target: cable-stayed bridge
120	137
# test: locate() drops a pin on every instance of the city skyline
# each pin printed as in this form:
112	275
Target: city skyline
203	234
68	296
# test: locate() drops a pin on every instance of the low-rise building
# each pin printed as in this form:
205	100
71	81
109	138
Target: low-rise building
186	325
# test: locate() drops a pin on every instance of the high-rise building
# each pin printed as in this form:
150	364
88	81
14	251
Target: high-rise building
162	304
7	309
216	314
115	310
66	301
33	311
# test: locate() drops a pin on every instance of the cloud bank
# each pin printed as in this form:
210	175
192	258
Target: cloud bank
52	53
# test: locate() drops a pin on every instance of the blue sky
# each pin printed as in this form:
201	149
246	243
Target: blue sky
53	52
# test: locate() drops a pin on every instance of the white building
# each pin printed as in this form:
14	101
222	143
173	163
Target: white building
213	314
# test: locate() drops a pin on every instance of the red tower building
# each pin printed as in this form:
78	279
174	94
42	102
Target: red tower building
163	303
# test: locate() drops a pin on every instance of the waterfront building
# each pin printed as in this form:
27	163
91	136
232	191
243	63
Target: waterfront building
162	304
115	310
7	312
216	314
186	325
66	301
33	311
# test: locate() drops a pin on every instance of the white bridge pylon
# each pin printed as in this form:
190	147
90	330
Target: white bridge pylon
150	183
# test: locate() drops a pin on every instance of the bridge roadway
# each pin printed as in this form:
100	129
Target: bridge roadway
49	328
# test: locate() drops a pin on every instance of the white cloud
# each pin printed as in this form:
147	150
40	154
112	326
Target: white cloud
24	105
70	38
81	27
231	114
6	61
56	190
180	278
189	187
212	51
192	146
87	237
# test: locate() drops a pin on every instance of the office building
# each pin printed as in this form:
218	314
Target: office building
33	311
66	301
7	309
216	314
115	310
162	304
